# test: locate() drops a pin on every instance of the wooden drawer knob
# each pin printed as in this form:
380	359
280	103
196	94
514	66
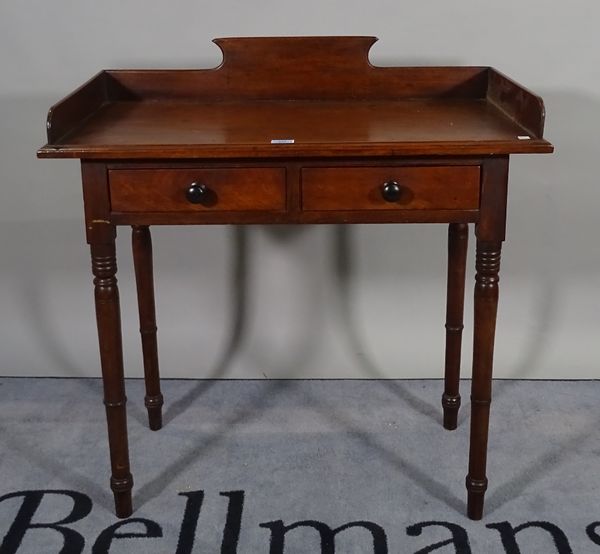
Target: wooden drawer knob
197	193
391	191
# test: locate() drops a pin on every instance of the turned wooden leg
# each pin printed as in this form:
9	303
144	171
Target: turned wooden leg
104	268
458	238
486	302
142	258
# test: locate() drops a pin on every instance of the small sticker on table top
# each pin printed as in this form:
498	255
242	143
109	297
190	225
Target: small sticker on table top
282	141
524	137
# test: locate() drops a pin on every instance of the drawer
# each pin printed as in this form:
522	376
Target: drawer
390	188
190	190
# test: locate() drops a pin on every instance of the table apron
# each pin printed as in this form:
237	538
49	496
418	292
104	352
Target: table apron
280	218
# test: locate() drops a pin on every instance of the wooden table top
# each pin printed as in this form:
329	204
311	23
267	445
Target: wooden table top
185	128
320	92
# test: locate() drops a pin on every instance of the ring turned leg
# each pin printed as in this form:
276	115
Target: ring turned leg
486	302
104	268
458	238
142	258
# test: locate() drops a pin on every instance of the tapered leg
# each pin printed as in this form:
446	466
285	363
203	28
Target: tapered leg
458	238
486	302
104	268
142	258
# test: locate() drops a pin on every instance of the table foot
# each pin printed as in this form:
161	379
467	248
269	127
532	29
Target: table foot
122	492
450	404
475	496
154	406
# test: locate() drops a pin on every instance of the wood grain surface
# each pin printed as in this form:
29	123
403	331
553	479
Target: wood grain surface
327	97
361	188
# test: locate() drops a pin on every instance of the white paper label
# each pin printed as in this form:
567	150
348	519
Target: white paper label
282	141
524	137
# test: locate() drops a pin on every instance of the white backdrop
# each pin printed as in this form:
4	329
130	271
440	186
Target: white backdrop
365	301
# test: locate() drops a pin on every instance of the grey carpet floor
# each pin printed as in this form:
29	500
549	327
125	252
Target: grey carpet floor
238	462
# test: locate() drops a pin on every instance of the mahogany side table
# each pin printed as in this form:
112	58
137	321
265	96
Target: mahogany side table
296	130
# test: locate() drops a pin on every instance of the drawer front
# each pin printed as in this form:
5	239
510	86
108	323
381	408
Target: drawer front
168	190
390	188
